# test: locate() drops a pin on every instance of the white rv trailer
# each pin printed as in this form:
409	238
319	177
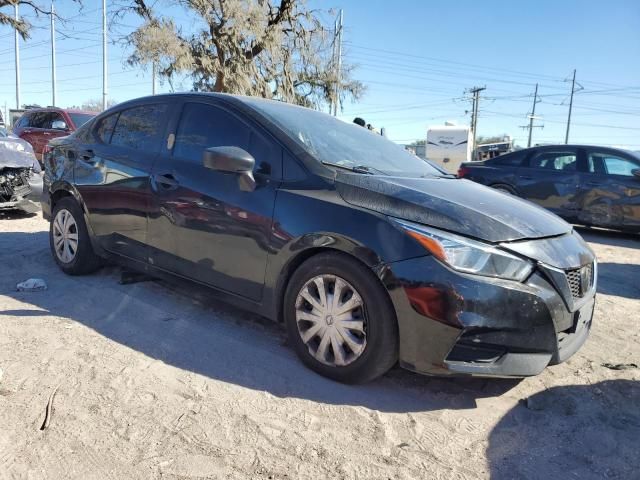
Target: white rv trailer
449	146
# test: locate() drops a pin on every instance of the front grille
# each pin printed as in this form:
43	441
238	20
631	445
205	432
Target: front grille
580	280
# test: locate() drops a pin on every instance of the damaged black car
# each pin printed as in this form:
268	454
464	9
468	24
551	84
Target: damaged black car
20	175
370	256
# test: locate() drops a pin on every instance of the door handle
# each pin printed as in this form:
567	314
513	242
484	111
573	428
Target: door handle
594	184
525	177
87	155
167	181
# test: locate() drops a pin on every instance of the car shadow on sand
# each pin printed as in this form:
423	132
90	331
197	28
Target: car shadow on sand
185	328
619	279
577	431
609	237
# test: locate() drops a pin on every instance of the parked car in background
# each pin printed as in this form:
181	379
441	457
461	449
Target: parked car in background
39	125
587	185
20	175
369	255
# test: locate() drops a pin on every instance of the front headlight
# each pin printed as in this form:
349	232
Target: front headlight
466	255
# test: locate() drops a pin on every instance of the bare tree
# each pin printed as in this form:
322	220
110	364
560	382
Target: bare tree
23	26
263	48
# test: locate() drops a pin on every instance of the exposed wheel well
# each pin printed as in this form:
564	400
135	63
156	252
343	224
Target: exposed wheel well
57	196
504	187
293	265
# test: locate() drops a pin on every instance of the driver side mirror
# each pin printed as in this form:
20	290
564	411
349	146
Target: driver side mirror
59	125
636	172
232	160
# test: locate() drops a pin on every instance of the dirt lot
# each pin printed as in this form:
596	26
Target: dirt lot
154	383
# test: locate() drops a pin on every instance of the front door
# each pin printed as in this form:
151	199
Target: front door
610	192
112	175
202	225
550	178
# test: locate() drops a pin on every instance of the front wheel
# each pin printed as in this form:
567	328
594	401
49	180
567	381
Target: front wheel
340	320
69	239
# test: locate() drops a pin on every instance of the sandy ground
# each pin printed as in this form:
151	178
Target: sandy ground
154	383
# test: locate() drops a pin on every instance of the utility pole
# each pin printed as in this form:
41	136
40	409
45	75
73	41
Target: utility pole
532	117
474	117
53	56
573	87
337	49
153	78
17	58
104	55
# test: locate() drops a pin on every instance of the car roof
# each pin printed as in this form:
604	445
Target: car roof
58	109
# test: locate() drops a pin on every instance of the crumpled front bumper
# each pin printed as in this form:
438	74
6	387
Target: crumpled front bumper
27	200
452	323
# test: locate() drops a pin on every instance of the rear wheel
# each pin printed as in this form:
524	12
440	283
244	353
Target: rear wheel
340	320
69	239
504	188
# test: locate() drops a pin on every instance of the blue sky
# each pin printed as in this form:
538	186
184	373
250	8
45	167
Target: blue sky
416	59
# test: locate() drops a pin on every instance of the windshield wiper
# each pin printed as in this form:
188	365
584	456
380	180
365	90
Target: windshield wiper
356	168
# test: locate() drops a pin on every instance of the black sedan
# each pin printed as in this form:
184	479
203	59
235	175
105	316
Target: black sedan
593	186
369	255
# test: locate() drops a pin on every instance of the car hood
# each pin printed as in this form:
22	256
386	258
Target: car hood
452	204
16	153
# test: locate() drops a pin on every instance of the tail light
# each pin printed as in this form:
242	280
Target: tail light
463	172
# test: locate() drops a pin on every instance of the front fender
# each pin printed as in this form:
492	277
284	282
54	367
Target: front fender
306	222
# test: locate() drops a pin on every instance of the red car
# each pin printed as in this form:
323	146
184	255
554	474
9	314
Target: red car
39	125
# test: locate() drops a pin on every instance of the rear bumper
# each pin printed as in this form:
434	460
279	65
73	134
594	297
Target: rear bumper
457	324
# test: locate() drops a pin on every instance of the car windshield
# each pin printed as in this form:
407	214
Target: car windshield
334	142
80	119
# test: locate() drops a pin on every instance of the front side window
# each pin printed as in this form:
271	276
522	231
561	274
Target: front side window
55	117
38	120
559	161
203	126
608	164
140	128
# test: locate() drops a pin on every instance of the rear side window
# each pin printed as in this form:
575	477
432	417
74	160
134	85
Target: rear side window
140	128
105	128
561	161
203	126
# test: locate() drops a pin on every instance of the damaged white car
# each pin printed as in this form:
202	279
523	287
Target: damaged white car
20	175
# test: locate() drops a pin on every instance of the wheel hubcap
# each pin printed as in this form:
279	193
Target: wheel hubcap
65	236
331	321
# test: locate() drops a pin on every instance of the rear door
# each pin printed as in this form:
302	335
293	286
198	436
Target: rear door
550	178
112	175
610	193
202	225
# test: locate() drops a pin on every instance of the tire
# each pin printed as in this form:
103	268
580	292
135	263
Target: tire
79	257
504	188
361	355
